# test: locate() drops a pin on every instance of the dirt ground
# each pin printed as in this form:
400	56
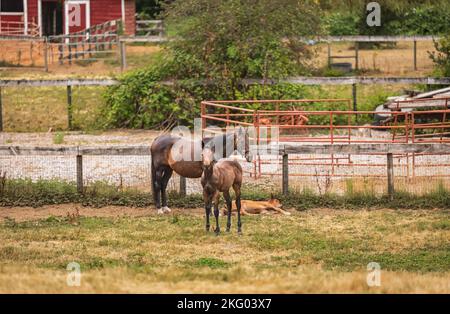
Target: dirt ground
21	214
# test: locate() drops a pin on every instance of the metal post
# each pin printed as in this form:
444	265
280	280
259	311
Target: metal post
390	175
182	186
69	106
1	111
285	174
356	56
415	55
80	174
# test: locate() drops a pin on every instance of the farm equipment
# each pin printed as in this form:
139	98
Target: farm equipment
415	102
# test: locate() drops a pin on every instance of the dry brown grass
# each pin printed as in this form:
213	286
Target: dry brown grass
312	251
383	62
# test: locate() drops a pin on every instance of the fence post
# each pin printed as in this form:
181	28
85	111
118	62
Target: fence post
285	174
46	54
123	55
356	56
329	54
69	106
80	174
1	111
355	100
415	55
390	175
182	186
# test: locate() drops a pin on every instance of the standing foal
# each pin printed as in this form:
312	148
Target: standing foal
220	176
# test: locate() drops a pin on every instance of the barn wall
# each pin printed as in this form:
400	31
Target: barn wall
33	11
130	17
105	10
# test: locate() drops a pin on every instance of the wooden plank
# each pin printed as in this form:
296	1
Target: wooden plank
75	150
361	149
294	80
363	38
58	82
420	104
319	39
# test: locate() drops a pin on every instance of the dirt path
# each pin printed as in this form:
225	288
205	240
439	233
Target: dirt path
21	214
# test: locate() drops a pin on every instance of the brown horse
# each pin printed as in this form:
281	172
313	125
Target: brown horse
174	153
220	176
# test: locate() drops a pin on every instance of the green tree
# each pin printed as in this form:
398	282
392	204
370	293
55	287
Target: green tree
148	8
236	39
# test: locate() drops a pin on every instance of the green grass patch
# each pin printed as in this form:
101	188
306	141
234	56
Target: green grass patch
25	192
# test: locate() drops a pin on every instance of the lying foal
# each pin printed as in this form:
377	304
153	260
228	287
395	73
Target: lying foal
220	176
249	207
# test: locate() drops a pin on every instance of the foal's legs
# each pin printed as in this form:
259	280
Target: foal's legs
164	181
216	199
227	197
237	190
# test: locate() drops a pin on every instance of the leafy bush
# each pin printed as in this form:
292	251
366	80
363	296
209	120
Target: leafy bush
441	57
339	24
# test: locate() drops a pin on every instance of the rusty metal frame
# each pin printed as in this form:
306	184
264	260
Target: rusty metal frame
403	128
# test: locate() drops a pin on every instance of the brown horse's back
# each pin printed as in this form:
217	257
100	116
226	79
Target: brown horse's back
168	151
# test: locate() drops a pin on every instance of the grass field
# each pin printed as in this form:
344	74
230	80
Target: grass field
36	109
133	250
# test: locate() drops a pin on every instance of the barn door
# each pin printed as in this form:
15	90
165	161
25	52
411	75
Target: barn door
77	16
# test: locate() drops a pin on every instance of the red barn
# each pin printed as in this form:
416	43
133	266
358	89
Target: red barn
56	17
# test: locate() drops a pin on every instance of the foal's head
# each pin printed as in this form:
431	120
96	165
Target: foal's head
208	159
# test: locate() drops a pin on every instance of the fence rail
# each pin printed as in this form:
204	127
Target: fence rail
301	80
353	81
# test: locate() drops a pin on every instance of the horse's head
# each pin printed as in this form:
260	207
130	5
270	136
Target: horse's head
241	142
274	202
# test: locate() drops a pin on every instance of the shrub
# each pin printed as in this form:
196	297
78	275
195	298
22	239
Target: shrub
441	57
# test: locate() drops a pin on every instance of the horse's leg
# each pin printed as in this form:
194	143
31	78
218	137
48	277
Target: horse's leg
227	197
157	175
237	190
208	205
164	181
216	199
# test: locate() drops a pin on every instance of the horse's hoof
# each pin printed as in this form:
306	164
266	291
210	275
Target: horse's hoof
160	211
166	209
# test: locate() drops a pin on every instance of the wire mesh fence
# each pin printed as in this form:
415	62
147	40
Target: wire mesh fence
337	173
